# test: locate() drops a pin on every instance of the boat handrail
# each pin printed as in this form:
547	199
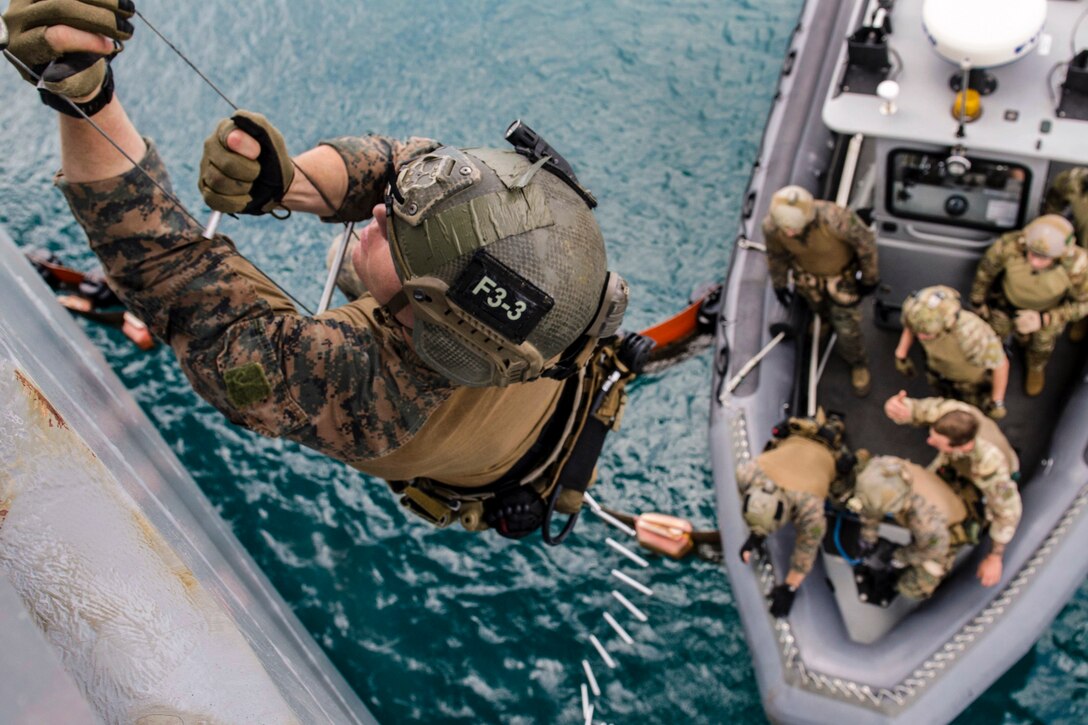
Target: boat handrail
917	232
849	168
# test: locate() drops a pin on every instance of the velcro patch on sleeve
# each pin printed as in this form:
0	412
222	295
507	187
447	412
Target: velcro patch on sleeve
247	385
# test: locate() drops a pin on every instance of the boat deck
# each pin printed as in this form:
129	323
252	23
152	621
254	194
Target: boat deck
1028	426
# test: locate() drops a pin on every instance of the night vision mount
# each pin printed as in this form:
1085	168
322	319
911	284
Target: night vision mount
532	146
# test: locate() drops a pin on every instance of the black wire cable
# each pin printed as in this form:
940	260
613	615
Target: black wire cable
181	55
170	197
232	104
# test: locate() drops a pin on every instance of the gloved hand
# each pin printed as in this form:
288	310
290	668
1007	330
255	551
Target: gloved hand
79	74
233	183
784	295
1028	321
983	310
867	288
905	367
782	597
996	409
754	542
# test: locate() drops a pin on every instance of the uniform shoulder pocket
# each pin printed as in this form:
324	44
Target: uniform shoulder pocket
257	393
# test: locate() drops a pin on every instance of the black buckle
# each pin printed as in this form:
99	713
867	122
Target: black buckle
532	145
546	526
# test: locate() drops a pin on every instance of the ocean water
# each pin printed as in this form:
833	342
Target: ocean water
660	107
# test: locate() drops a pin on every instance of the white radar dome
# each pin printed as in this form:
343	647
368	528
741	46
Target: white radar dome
983	33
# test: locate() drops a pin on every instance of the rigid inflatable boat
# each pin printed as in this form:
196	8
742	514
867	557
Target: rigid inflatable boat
864	116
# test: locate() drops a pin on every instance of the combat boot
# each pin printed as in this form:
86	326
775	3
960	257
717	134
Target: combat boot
1078	330
1034	381
861	380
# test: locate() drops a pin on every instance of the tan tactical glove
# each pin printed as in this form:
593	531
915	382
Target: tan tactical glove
905	367
997	410
77	74
1028	321
232	183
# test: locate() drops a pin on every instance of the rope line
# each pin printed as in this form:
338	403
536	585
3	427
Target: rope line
166	193
233	105
190	63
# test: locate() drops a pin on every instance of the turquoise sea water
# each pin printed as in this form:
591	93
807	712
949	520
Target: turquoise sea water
660	109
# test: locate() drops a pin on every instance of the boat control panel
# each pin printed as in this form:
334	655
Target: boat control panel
958	191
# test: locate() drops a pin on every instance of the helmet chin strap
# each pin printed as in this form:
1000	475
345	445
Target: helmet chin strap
396	303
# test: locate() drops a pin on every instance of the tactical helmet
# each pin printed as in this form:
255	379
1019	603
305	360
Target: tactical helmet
882	487
765	506
1048	236
502	263
932	310
792	207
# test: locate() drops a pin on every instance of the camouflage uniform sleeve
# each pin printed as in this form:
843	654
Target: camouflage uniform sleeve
981	345
1075	305
1059	193
328	382
778	258
369	160
991	475
990	266
930	538
849	227
927	411
810	525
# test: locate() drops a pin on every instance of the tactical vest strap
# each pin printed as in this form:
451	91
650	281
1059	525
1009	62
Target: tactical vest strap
564	458
946	360
613	366
427	497
972	499
818	251
430	508
1028	289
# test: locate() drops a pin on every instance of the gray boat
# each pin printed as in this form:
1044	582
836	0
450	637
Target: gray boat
897	156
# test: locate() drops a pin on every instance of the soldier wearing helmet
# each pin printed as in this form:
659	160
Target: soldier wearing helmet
919	501
1069	192
964	357
832	257
1033	283
469	371
788	483
977	461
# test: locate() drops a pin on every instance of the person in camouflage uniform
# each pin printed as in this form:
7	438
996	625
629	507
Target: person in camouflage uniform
1068	195
802	465
349	383
832	256
1069	191
964	357
1033	282
974	457
919	501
